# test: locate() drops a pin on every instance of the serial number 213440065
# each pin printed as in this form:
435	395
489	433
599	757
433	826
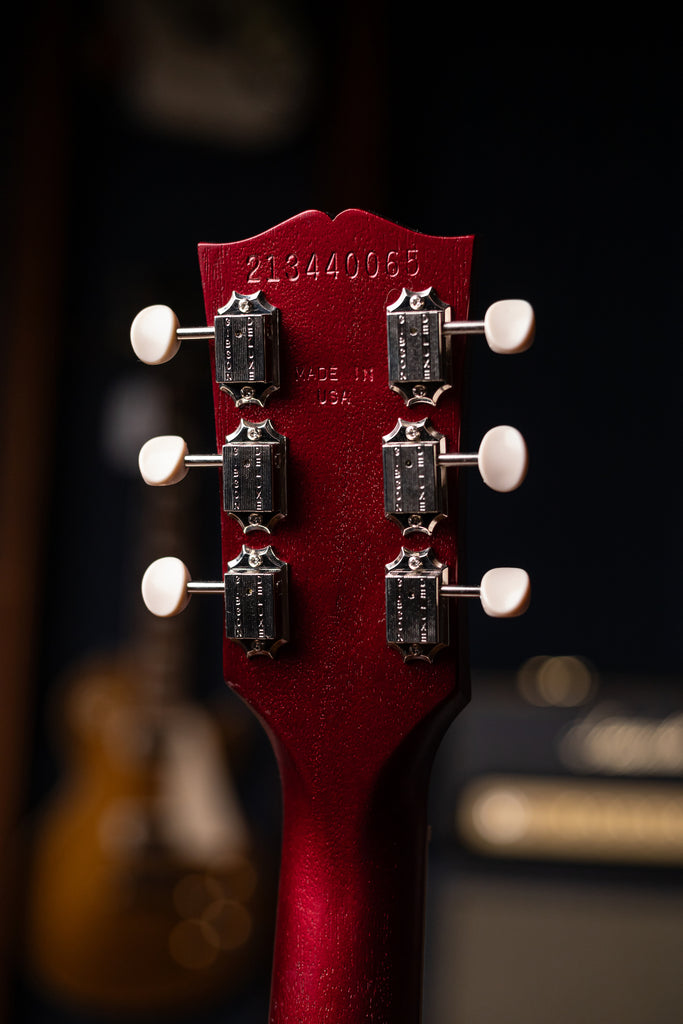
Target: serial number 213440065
269	268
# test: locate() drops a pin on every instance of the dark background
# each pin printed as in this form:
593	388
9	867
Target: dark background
563	160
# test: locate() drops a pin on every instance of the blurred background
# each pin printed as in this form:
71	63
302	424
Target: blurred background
134	130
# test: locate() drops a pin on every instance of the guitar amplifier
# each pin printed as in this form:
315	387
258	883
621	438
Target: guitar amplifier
557	842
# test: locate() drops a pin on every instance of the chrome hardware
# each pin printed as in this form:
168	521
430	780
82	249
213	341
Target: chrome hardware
256	605
246	338
254	589
253	461
254	476
418	325
416	588
415	463
417	617
419	361
414	482
247	348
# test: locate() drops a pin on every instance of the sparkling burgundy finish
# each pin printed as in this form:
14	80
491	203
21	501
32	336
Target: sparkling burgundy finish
353	727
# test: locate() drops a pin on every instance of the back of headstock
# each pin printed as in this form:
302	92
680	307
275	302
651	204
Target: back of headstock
332	282
338	353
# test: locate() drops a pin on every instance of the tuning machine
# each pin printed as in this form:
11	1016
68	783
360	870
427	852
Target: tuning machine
254	469
418	324
415	463
254	589
416	584
246	333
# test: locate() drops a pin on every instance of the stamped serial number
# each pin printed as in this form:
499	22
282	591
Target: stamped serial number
270	268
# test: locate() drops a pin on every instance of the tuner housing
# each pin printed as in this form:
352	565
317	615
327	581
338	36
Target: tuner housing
255	476
247	337
415	493
420	363
256	601
417	614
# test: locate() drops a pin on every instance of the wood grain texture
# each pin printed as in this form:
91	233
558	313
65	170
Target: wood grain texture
353	727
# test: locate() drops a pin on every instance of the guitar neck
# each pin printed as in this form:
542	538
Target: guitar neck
344	713
351	899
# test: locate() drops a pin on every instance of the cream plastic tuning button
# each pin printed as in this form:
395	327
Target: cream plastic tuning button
417	619
165	587
509	326
162	460
503	459
420	363
254	590
254	467
165	460
505	592
154	335
415	463
245	333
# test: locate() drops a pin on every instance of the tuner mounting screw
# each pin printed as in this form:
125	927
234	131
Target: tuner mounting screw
412	433
416	302
254	560
415	520
255	518
419	390
244	305
253	433
247	392
414	562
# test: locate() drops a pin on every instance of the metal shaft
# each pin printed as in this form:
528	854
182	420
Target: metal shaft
463	327
192	461
204	587
453	590
195	333
458	459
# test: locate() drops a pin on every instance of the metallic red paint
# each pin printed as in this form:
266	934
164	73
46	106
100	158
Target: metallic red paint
353	727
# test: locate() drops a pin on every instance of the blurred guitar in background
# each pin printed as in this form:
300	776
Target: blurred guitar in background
149	889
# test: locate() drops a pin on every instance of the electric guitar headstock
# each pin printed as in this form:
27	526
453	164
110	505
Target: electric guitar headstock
337	351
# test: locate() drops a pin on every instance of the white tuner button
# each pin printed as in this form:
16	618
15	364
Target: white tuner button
503	458
154	335
162	460
509	326
165	460
419	628
164	587
505	593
